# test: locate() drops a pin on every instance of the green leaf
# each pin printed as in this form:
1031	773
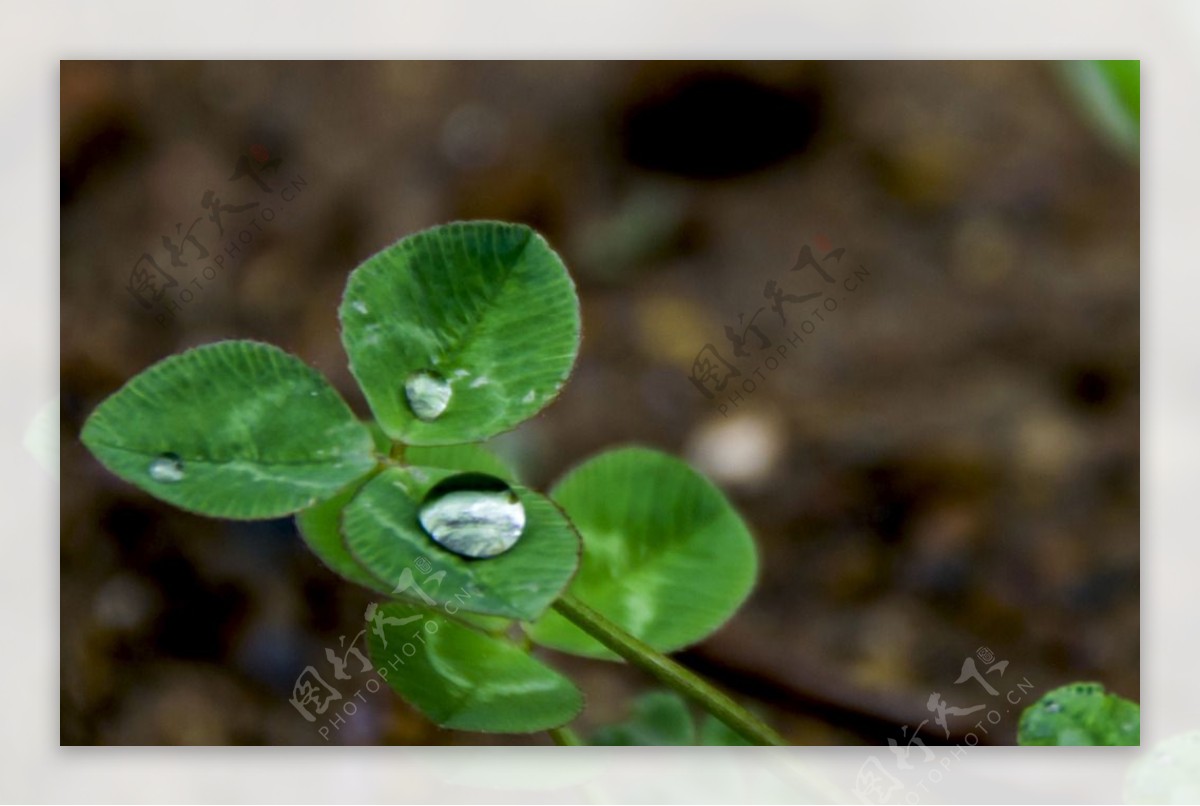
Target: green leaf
235	429
468	457
482	308
660	718
715	733
384	535
1080	714
465	679
665	555
1109	94
1124	79
321	526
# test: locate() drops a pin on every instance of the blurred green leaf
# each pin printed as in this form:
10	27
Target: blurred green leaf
658	718
383	534
715	733
465	679
662	718
1110	94
481	311
1080	714
235	429
665	555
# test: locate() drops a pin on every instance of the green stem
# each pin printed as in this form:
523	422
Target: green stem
565	736
667	671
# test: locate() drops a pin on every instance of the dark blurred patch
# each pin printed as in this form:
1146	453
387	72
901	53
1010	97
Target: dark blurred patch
343	238
1103	588
718	126
893	493
1091	387
892	497
200	614
110	141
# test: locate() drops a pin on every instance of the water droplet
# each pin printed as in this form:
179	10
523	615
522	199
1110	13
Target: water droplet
1052	707
529	396
482	380
359	306
428	395
473	515
167	468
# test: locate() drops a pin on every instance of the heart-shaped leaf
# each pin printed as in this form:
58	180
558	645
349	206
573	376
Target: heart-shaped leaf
235	429
321	525
383	532
1080	714
665	555
465	679
460	332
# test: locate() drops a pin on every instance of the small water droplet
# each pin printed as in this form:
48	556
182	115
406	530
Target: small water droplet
482	380
428	395
1052	707
529	396
359	306
167	468
473	515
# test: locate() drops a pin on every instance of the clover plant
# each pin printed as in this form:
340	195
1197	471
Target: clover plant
454	334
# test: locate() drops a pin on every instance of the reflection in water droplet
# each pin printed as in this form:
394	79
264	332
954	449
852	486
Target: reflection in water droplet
167	468
473	515
428	395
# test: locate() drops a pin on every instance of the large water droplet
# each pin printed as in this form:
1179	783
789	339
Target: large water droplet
473	515
167	468
428	395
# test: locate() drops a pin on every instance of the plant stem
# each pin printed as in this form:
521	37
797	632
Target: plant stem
667	671
565	736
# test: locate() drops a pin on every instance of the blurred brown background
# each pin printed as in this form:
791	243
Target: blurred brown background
949	462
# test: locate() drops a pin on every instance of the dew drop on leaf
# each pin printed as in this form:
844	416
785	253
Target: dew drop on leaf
474	515
428	395
167	468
